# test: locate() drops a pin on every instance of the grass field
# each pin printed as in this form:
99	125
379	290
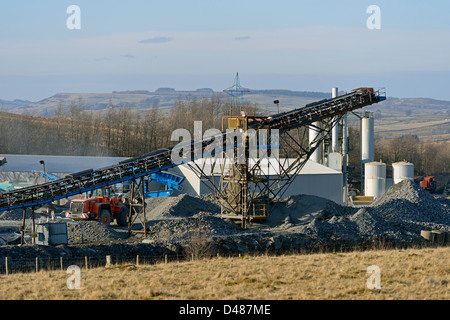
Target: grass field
404	274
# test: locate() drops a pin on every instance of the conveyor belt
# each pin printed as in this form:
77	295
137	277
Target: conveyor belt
160	160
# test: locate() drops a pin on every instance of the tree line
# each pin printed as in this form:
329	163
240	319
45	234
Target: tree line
117	131
126	132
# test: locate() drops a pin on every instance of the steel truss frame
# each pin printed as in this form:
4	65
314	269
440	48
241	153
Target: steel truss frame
161	160
137	206
241	188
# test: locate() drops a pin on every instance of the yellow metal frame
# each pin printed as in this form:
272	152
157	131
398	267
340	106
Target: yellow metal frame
263	210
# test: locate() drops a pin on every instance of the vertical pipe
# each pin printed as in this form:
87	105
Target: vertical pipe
344	156
316	156
335	129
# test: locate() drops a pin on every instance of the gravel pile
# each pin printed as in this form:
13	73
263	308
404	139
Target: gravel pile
178	206
92	231
302	209
17	214
14	215
202	225
398	216
295	222
407	201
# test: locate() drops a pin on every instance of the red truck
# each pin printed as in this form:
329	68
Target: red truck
428	184
100	206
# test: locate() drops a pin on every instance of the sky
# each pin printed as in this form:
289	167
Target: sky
111	45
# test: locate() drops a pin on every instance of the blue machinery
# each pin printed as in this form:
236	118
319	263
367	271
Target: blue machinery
156	162
48	176
171	181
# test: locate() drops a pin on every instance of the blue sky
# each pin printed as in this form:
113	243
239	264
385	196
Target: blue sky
296	45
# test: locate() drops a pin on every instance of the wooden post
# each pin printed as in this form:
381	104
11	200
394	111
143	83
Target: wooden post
108	261
137	260
165	259
86	261
6	265
37	264
61	263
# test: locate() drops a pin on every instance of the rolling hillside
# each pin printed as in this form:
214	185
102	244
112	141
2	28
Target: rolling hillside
424	117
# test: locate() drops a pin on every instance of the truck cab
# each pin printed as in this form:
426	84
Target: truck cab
100	206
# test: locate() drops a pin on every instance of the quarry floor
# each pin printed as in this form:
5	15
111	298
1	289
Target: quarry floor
184	225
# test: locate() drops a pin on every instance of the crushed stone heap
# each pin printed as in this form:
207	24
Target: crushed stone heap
399	216
182	205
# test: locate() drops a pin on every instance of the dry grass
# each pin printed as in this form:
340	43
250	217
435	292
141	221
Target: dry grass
405	274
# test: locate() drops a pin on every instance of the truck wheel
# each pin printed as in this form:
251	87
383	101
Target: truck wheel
104	217
122	218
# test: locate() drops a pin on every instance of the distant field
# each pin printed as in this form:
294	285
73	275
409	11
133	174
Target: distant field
404	274
436	130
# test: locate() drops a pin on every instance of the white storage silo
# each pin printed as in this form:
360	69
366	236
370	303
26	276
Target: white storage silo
402	171
367	138
375	179
314	133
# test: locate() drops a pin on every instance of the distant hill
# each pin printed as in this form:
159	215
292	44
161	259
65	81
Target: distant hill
422	116
166	98
163	97
9	105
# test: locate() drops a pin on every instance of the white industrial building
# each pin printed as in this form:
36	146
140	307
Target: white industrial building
314	179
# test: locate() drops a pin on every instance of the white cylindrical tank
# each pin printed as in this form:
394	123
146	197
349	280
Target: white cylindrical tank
316	156
367	138
402	171
375	179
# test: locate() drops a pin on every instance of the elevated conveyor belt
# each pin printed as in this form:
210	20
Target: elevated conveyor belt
161	160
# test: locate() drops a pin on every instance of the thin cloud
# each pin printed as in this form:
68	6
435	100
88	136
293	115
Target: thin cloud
242	38
128	56
157	40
